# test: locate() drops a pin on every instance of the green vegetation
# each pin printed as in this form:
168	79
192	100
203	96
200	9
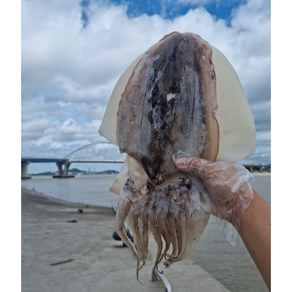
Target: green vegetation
44	173
107	172
53	173
76	170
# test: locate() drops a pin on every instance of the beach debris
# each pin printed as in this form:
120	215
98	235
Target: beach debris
72	221
117	237
63	262
80	210
181	96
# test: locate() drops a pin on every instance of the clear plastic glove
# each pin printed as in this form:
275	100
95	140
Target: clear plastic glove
230	186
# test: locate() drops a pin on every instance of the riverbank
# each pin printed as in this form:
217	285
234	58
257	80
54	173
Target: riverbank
66	250
268	174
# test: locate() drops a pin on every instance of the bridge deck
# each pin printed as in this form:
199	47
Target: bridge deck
44	160
63	160
95	161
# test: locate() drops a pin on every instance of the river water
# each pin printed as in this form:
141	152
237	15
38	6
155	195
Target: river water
231	266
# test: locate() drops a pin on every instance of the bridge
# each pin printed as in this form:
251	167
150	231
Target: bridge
64	163
258	167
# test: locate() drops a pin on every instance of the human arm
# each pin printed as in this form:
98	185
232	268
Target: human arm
238	204
255	231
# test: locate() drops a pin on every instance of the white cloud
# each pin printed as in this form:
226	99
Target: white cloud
72	91
68	72
38	128
264	136
71	131
198	2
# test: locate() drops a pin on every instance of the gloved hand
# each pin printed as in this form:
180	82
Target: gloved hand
229	185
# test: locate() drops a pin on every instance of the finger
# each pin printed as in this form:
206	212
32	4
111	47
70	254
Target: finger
190	164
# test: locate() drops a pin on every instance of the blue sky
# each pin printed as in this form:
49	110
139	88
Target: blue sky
171	9
73	53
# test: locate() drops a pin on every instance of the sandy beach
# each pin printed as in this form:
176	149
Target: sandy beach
65	250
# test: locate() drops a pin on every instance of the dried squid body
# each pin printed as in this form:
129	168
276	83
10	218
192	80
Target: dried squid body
175	212
169	104
170	99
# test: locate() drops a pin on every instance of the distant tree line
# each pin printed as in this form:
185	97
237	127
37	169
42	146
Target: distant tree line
75	170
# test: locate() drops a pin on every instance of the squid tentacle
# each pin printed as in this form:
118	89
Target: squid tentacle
122	212
174	215
173	234
181	234
162	229
156	236
145	232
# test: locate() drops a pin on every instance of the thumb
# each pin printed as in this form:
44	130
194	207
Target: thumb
191	164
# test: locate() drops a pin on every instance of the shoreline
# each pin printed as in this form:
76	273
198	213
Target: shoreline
261	173
105	174
35	193
76	175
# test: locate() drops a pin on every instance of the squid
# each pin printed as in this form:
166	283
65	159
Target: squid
181	95
176	212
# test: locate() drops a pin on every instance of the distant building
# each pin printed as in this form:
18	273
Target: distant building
90	170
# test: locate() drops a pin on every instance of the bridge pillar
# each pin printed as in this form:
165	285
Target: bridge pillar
63	173
66	168
24	165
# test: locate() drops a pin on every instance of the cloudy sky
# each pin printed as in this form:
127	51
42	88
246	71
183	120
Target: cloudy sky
73	52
